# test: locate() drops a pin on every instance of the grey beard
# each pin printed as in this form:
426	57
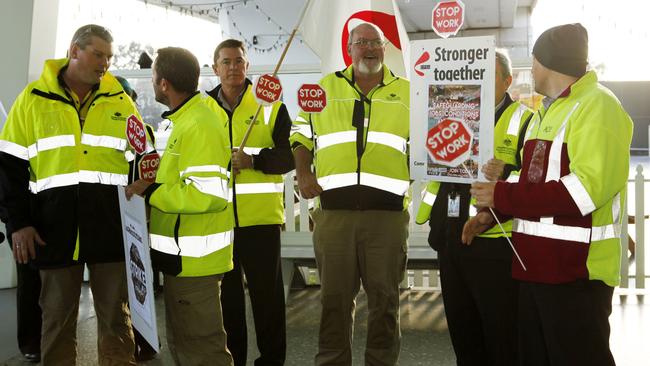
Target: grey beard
364	69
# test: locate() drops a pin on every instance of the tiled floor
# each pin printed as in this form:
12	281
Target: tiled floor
425	340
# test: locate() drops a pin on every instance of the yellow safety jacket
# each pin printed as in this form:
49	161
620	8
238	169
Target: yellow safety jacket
191	218
360	144
71	171
257	196
568	203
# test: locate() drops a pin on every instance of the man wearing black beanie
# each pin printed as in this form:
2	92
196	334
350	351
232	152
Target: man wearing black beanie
566	207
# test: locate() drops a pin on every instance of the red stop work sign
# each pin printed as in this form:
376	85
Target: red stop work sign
267	89
447	17
148	167
449	142
312	98
136	134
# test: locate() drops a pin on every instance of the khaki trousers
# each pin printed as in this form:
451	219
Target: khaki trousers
59	301
354	247
195	332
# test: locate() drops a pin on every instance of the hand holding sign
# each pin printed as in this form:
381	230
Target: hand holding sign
449	143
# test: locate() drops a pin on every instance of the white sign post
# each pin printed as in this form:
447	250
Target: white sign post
452	79
139	274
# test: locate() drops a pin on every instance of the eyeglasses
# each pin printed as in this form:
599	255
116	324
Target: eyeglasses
364	43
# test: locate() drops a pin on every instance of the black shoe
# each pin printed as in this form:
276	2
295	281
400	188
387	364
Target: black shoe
32	357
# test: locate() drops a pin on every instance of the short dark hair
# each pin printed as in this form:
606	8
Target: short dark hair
229	43
179	67
83	36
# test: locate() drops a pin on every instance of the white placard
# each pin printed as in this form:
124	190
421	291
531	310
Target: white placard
452	78
139	274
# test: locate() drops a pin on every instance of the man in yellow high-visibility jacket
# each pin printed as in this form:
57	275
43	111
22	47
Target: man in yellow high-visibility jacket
258	206
191	218
359	148
478	291
567	207
63	152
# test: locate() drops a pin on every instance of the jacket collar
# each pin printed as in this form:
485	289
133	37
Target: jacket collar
176	113
49	80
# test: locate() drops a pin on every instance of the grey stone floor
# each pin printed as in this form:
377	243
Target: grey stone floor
425	340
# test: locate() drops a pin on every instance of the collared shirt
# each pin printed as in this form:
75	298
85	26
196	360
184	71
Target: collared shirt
82	106
221	98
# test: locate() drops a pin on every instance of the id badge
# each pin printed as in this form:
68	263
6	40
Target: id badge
453	205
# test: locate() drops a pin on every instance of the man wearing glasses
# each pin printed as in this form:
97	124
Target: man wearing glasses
258	206
358	146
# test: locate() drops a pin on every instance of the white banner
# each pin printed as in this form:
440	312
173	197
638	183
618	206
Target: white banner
139	274
452	78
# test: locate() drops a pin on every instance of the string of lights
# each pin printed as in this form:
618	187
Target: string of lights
213	9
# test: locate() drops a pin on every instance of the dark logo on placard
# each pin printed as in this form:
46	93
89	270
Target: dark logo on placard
138	275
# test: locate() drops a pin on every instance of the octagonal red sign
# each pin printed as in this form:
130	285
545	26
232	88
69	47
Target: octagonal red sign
449	142
312	98
447	17
267	89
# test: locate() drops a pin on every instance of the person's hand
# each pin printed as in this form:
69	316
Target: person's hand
138	187
483	193
240	160
493	169
23	244
476	225
308	185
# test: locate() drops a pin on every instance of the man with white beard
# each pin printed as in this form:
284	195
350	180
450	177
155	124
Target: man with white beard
358	146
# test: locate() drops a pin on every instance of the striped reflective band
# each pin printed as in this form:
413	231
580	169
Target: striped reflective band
110	142
14	149
253	150
268	109
252	188
429	198
205	169
54	181
396	142
579	193
515	120
383	138
83	176
89	176
50	143
395	186
513	178
331	139
555	155
303	129
567	233
214	186
191	246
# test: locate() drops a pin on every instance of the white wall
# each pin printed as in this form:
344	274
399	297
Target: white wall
15	37
28	37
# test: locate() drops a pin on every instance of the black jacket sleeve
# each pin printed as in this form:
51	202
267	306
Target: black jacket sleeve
15	195
279	159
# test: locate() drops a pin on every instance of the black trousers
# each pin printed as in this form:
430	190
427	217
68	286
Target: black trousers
566	324
28	310
480	300
256	254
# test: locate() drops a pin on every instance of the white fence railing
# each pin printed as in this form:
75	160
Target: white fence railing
297	237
